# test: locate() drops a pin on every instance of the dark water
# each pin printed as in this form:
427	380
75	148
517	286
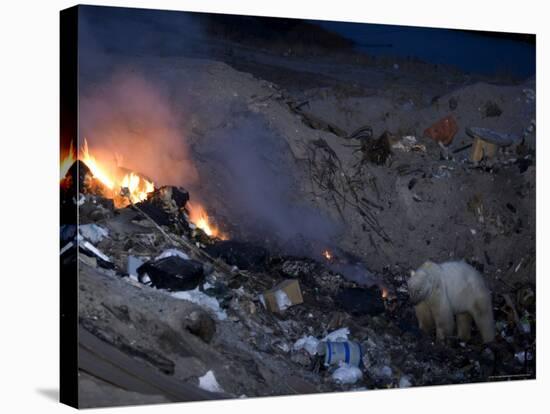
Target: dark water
175	33
469	51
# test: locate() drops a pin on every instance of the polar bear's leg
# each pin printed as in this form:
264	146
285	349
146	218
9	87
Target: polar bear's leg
424	316
444	320
483	317
464	326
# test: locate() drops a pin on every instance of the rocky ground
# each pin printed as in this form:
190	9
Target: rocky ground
391	206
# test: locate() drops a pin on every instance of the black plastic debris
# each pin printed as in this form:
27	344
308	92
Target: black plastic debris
156	212
361	301
172	273
179	195
166	207
244	255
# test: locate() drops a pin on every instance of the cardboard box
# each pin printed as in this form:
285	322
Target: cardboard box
282	296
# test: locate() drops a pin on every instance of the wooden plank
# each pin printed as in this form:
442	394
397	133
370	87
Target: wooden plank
100	368
103	360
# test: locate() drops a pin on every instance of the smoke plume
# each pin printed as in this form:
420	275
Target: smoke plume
128	118
252	171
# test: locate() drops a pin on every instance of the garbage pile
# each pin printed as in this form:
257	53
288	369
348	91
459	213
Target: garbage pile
330	331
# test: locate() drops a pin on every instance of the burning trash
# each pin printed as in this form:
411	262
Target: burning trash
124	187
200	219
108	179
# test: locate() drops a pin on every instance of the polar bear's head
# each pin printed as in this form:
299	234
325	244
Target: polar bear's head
420	284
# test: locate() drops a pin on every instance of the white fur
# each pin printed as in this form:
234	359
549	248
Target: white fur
441	292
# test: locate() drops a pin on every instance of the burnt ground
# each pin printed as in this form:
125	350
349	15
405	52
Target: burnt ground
429	202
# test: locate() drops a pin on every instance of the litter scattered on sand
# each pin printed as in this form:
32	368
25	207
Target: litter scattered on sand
208	382
93	232
172	252
310	343
203	300
346	374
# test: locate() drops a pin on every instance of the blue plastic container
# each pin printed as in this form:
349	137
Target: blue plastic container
347	352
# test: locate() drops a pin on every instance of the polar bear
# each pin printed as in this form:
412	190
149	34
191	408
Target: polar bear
440	292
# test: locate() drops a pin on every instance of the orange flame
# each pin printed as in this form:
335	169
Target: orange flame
138	187
95	167
129	187
124	188
199	217
327	255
